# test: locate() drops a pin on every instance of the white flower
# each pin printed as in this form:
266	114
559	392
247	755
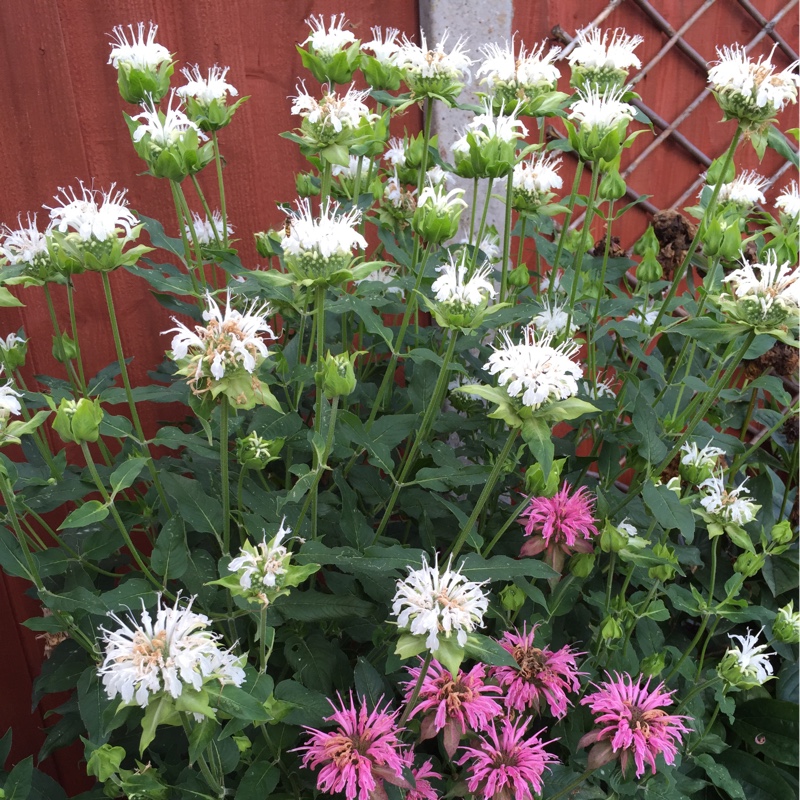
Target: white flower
645	317
490	247
331	234
164	131
432	604
789	201
501	68
166	655
383	45
140	52
595	51
693	456
436	176
204	227
602	110
386	277
396	154
726	505
230	341
440	200
773	285
10	342
335	111
92	213
533	370
9	404
419	62
327	43
552	320
350	171
265	564
746	190
488	125
751	659
538	174
753	83
25	244
452	287
602	389
206	90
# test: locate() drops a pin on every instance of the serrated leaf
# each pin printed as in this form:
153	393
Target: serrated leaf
667	509
759	780
170	556
238	703
369	683
200	511
312	606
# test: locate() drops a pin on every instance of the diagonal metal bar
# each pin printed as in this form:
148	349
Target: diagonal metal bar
769	27
601	17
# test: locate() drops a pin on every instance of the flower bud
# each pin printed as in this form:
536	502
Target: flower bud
268	243
663	572
649	269
782	532
612	539
653	665
731	242
64	348
582	564
714	174
512	597
712	238
749	564
253	452
306	185
79	421
537	485
612	186
519	276
611	629
337	377
786	627
13	351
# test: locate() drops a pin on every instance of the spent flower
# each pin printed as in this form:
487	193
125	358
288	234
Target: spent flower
207	231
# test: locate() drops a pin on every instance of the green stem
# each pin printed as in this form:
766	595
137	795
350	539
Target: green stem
705	730
8	499
213	783
551	289
311	497
112	316
482	226
325	183
262	639
182	225
223	209
426	138
224	448
506	525
488	488
474	211
209	215
192	234
319	310
412	701
74	325
507	236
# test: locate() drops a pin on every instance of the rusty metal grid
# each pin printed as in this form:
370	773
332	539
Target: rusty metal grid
670	130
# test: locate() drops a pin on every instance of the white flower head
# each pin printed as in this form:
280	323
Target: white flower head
533	370
11	342
136	49
334	112
396	152
150	657
439	200
751	658
231	340
644	316
694	456
92	213
525	72
454	287
327	42
209	88
24	245
205	228
609	50
745	190
601	110
538	175
9	402
766	291
488	125
751	90
260	568
727	505
166	128
789	202
383	45
490	247
350	171
433	604
601	389
421	63
552	320
436	176
331	235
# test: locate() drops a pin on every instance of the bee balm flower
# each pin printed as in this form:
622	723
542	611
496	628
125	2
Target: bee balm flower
697	464
603	120
144	67
461	298
744	191
28	246
9	404
434	72
438	212
603	62
727	506
789	202
205	97
632	724
747	665
534	181
334	118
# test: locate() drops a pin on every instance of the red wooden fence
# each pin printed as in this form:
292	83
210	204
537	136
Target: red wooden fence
62	122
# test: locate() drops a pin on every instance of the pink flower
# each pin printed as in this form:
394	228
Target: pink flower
422	789
632	724
562	524
506	766
360	755
543	675
454	706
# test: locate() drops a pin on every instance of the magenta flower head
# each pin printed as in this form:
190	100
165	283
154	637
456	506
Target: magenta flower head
544	675
454	706
560	525
362	753
505	765
423	790
632	723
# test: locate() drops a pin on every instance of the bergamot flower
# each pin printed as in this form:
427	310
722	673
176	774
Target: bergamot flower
603	120
453	288
28	248
207	231
9	400
379	57
751	91
786	627
206	97
534	180
434	72
744	191
747	665
698	464
552	320
788	202
602	60
333	53
143	66
13	350
438	212
726	505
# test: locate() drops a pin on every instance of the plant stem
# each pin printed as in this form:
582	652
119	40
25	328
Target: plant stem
412	701
488	487
213	783
74	325
507	236
223	209
192	234
204	203
426	138
224	411
262	644
506	525
112	316
551	289
482	226
183	224
311	497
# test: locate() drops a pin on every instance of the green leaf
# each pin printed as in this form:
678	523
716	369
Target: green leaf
18	782
502	568
91	511
770	727
312	606
646	422
488	651
369	683
666	507
720	777
759	780
309	707
203	733
7	300
11	558
536	433
258	782
238	703
124	475
561	410
200	511
170	556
